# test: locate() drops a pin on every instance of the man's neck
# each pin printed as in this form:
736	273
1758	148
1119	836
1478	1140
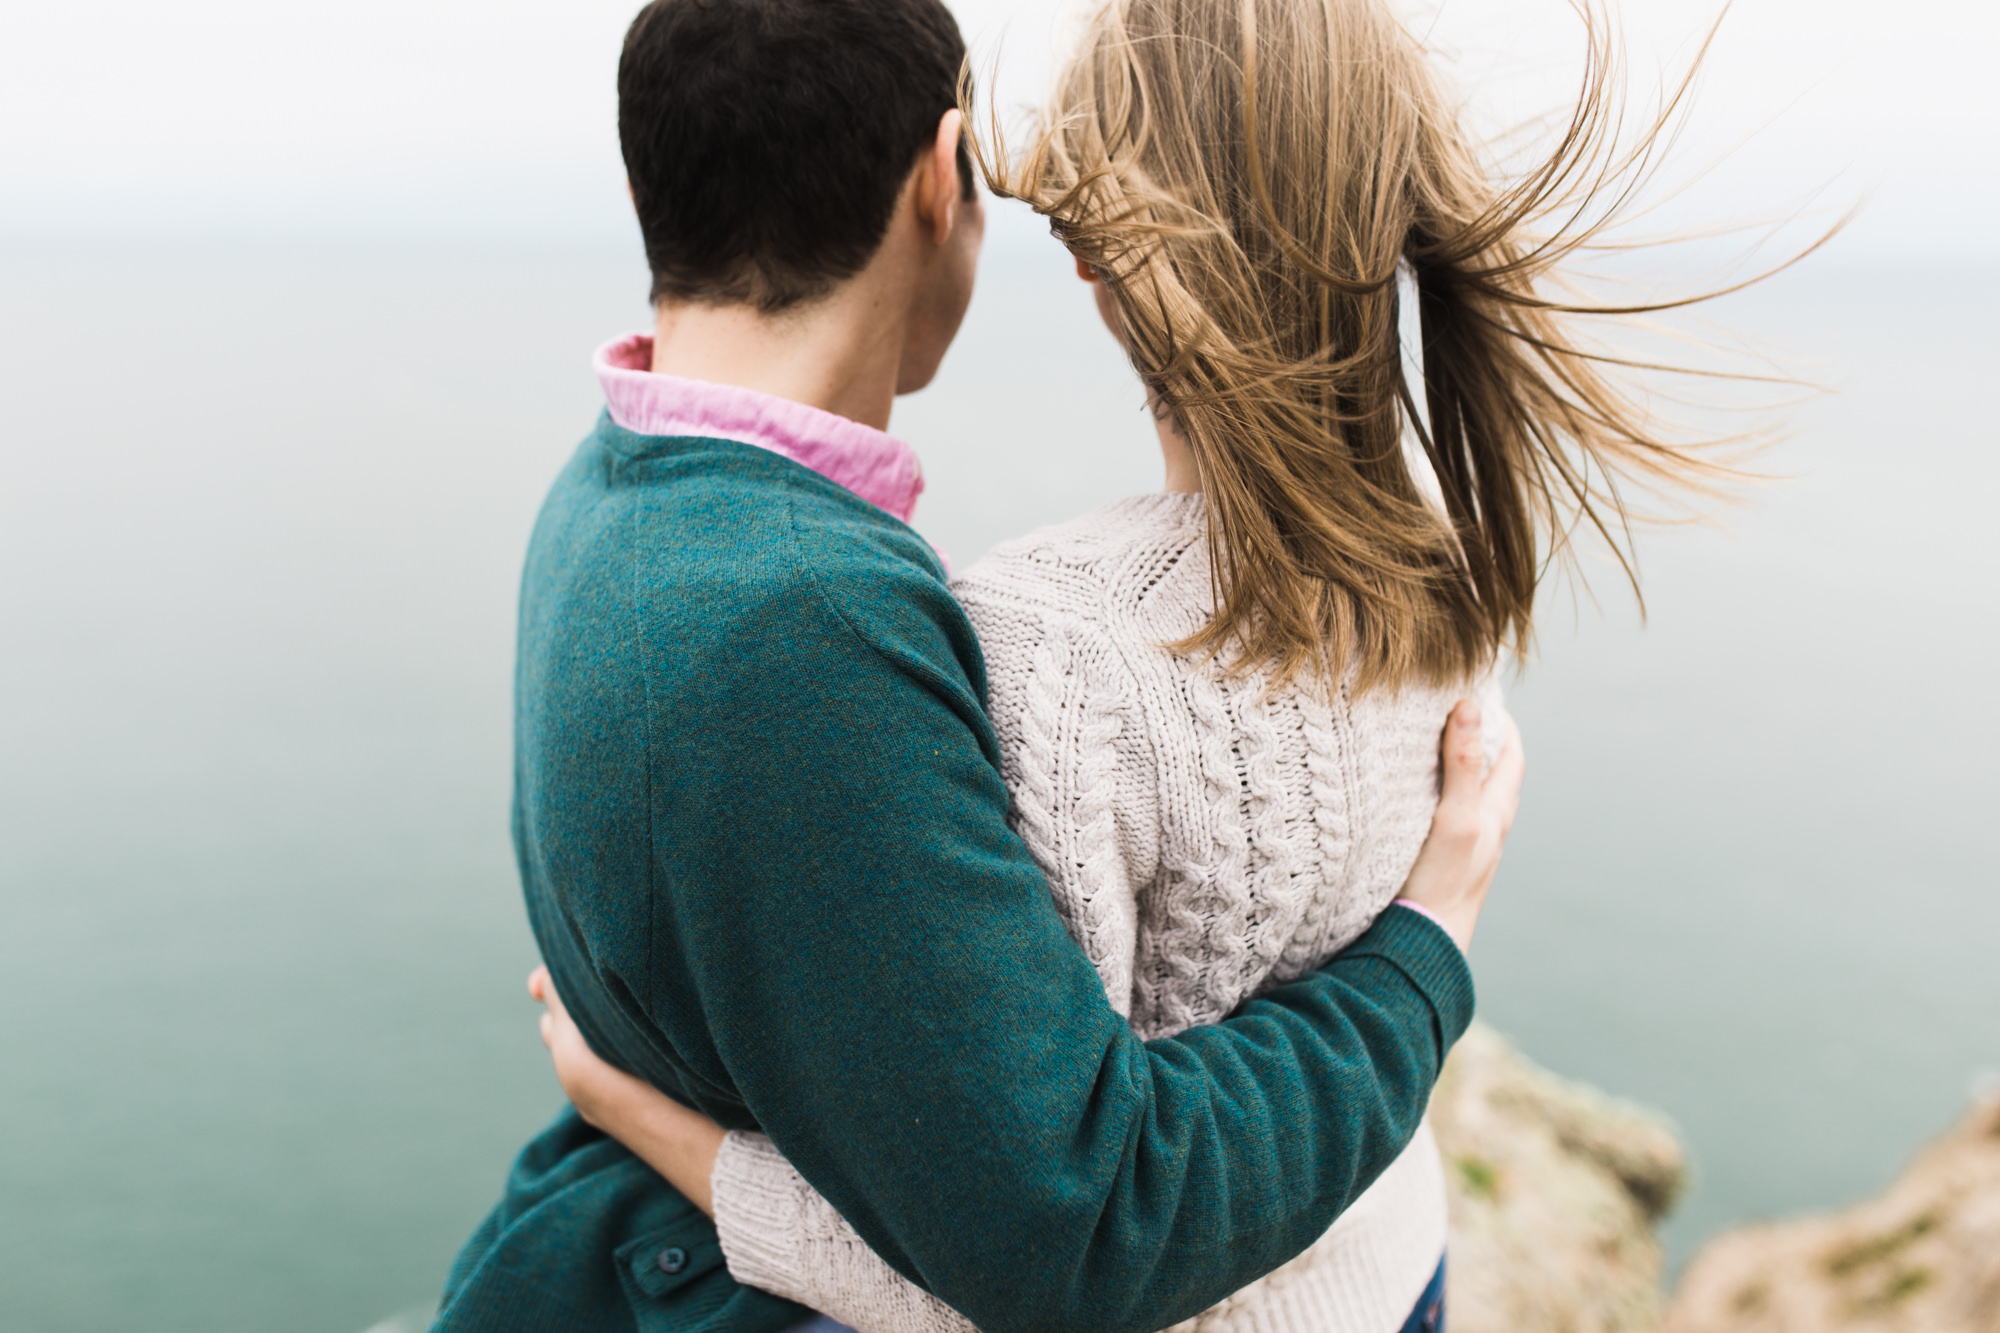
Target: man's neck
841	353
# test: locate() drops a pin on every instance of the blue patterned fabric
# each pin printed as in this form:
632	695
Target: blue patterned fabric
1428	1317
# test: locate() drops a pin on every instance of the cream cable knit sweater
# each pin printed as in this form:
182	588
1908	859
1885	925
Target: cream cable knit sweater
1204	841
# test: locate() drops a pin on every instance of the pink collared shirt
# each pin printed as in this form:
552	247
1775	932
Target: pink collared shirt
879	468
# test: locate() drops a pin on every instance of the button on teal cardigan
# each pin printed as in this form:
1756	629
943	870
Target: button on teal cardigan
763	840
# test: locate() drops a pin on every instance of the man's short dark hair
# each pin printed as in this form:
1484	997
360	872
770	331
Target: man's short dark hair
767	141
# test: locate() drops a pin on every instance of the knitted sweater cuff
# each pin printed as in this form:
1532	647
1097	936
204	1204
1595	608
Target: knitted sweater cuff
756	1217
1419	948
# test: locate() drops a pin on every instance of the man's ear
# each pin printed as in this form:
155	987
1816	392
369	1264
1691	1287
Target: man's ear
938	188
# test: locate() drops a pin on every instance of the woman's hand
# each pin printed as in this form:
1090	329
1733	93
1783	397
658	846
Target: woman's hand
679	1143
1469	830
589	1081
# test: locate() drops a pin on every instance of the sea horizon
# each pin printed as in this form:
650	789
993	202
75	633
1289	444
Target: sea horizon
265	500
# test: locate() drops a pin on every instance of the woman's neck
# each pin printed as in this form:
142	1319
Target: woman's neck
1181	473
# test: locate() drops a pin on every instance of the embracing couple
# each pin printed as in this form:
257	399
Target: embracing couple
1071	944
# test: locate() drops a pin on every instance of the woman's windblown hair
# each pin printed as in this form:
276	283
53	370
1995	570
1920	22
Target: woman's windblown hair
1248	176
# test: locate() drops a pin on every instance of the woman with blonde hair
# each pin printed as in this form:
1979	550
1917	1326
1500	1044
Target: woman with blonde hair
1219	704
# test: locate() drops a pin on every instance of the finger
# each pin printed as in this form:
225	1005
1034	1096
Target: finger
1460	756
553	1000
538	981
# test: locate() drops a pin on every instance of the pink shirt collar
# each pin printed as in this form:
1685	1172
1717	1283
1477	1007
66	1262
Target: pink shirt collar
877	467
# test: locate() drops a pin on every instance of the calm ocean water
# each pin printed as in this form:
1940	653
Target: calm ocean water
261	516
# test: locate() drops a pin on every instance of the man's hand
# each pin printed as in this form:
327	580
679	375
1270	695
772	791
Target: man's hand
1474	816
679	1143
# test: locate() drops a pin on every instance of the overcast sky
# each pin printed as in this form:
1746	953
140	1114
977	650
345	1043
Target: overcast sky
496	116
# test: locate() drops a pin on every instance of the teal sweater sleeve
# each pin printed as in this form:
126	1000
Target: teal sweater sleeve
833	936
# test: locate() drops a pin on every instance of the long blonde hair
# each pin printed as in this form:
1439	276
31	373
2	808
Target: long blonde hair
1247	176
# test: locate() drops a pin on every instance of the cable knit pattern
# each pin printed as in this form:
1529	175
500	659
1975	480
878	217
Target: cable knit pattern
1205	839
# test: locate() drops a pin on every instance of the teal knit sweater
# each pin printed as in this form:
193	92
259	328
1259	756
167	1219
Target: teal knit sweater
762	835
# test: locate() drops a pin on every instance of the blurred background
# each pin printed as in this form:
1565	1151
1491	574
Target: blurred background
296	309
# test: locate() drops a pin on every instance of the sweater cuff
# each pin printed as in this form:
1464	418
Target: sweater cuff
1415	945
1422	911
756	1218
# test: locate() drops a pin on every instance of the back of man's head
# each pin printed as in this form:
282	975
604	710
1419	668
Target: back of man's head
767	141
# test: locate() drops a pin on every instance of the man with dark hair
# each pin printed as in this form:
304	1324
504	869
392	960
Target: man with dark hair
759	815
766	144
